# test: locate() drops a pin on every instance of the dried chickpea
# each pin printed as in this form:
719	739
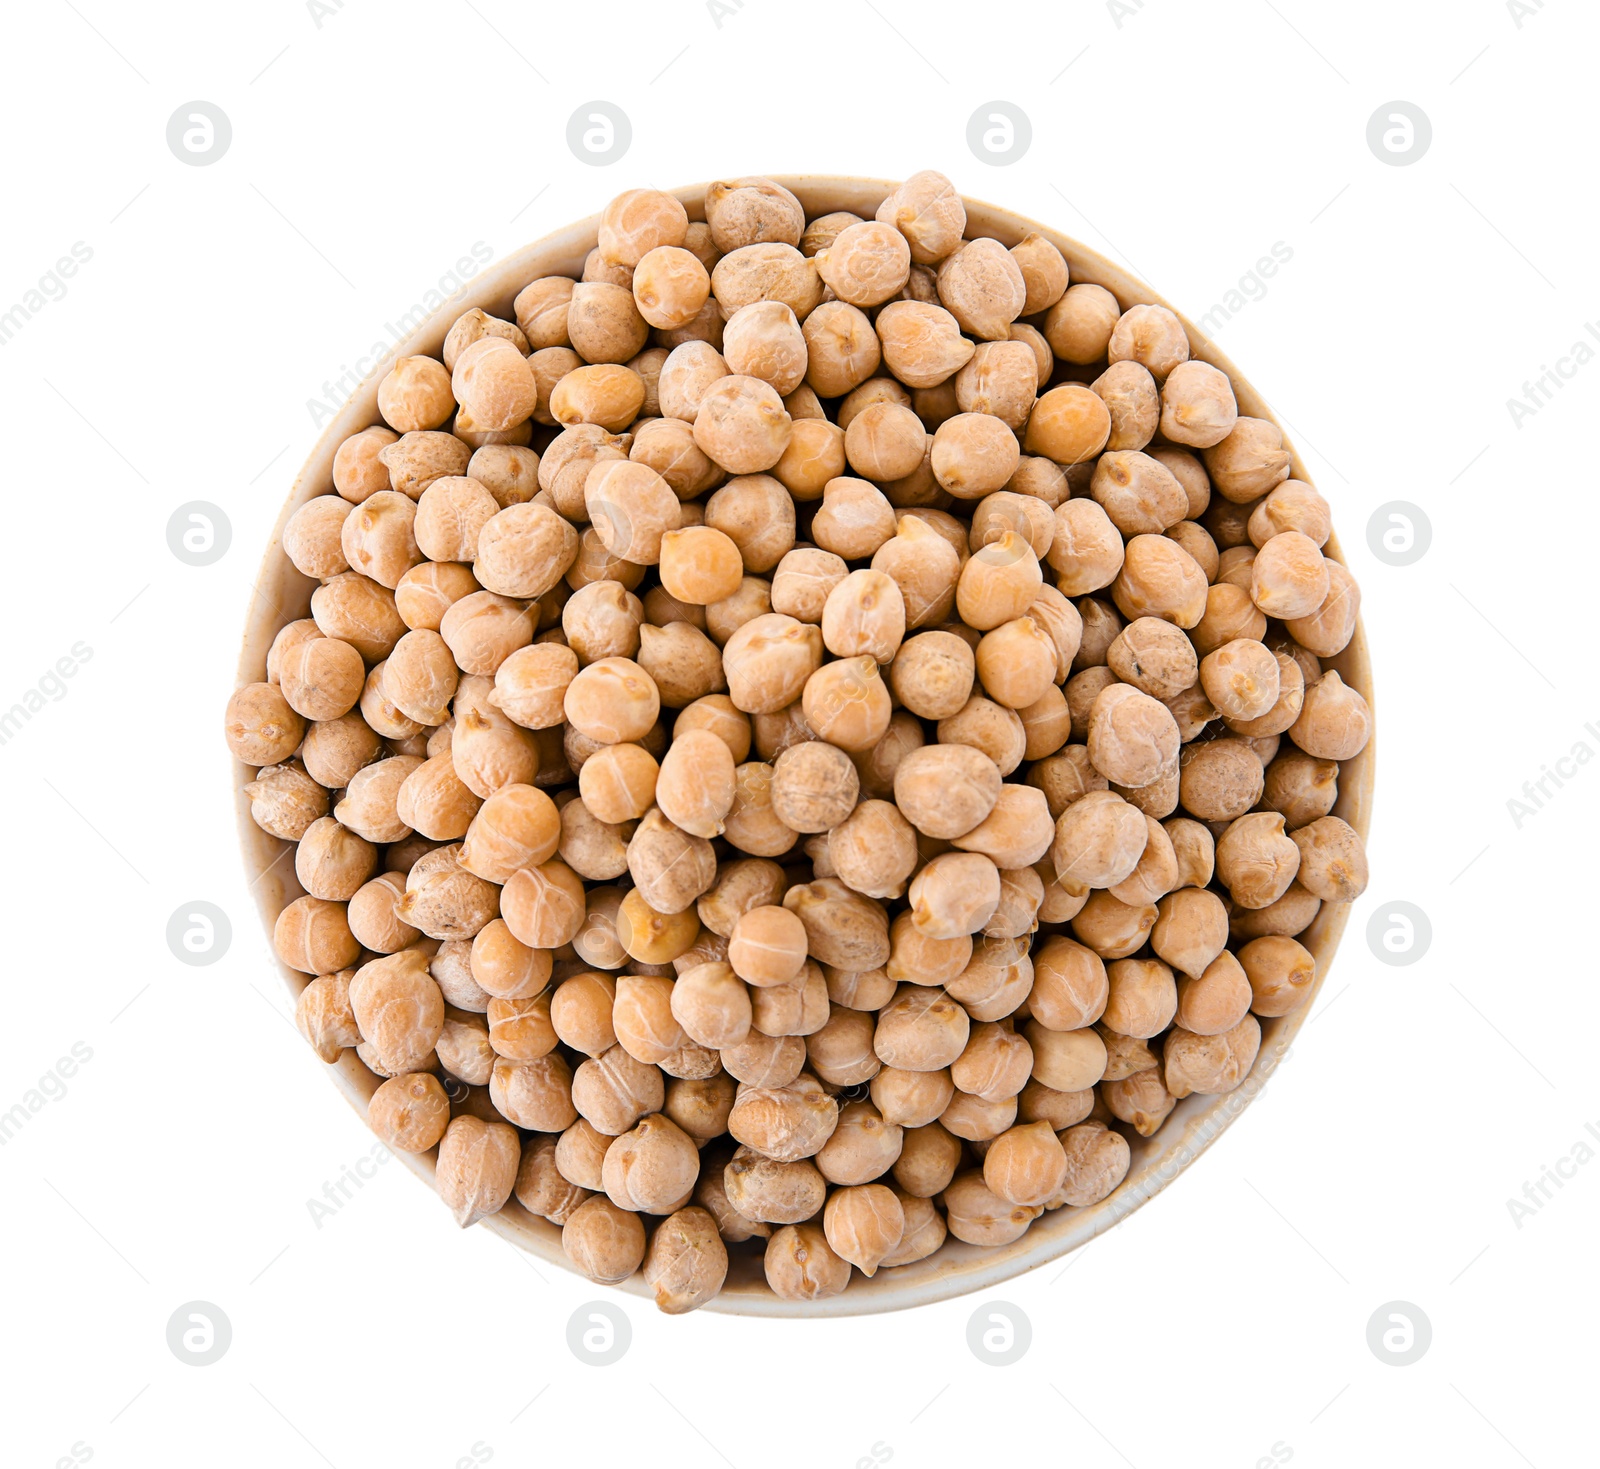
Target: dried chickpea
1197	405
313	538
1289	577
285	800
874	849
1216	1000
686	1261
767	946
652	1167
1069	424
1240	679
814	786
1256	859
695	784
1333	861
543	906
1327	631
1335	722
1160	579
477	1167
415	395
1017	663
977	1215
604	1242
1131	396
323	1015
847	704
1086	550
922	344
742	424
358	471
752	825
313	935
973	455
1138	493
1080	324
681	661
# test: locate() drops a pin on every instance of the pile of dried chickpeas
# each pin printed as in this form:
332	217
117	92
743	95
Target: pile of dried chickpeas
804	741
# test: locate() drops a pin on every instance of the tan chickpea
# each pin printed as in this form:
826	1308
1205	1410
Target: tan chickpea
863	1224
995	1064
1143	997
921	1029
854	519
716	714
999	583
982	286
652	1167
874	849
604	1242
1220	780
1160	579
1289	577
865	263
973	455
989	727
1215	1001
924	567
638	221
1017	663
416	395
614	1089
928	211
929	1156
763	340
1155	657
978	1121
767	946
1157	872
1197	541
814	455
260	726
1249	461
494	385
1300	786
543	906
1333	861
323	1015
922	344
847	703
695	786
1080	325
541	1189
1139	494
681	661
814	786
800	1265
1132	737
398	1008
617	783
606	395
785	1123
1112	928
604	324
755	512
321	678
312	539
1152	336
671	867
885	441
977	1215
313	935
477	1167
1086	550
357	469
686	1261
864	614
797	1007
742	424
932	674
840	1053
285	800
920	958
752	825
1240	679
1256	859
1197	405
415	460
601	620
1131	396
910	1100
652	938
842	349
1069	424
426	592
1281	972
1327	631
531	684
1025	1164
1040	1103
1097	1161
669	287
1335	722
1210	1065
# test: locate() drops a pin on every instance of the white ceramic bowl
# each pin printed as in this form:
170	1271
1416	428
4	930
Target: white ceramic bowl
283	594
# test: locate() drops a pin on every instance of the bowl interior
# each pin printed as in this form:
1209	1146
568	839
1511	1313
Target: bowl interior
282	594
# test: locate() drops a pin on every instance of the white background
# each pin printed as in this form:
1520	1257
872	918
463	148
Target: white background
1223	1325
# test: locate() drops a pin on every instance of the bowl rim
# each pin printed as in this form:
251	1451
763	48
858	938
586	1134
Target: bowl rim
955	1269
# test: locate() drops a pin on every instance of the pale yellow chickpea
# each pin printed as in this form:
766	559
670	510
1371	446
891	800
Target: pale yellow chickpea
1281	972
1099	840
695	783
667	445
671	867
928	211
494	385
700	564
312	538
814	786
981	285
763	340
1151	336
612	700
916	957
814	455
954	895
1139	494
716	713
604	324
842	349
752	825
874	849
885	441
989	727
865	263
999	583
543	906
